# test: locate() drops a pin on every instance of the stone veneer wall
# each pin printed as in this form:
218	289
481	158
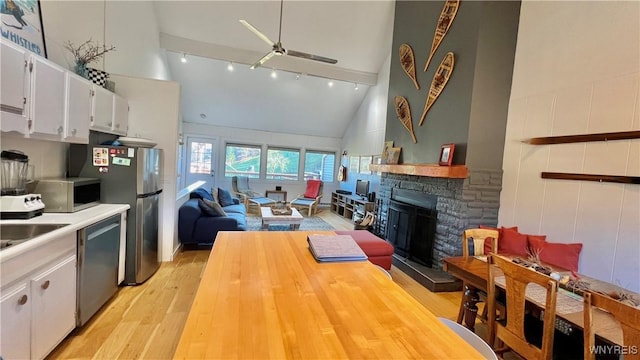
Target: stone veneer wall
462	204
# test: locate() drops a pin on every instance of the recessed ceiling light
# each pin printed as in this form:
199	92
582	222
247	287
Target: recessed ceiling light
204	116
184	58
230	66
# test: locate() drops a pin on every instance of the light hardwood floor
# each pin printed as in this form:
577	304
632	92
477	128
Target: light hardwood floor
145	321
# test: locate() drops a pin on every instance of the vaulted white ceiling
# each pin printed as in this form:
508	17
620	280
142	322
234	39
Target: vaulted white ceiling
299	100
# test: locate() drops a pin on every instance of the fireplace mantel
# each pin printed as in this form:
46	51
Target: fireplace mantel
430	170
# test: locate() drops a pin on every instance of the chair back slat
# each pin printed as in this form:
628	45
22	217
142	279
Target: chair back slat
517	278
479	234
628	316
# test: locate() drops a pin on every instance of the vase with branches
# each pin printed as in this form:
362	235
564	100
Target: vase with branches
86	53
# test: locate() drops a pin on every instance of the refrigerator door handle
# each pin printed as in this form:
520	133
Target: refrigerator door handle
142	196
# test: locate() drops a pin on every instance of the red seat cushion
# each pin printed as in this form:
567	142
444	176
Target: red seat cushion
369	243
313	188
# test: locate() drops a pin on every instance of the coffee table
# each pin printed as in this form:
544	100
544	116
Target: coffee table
294	220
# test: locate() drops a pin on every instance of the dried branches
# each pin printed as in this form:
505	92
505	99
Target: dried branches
88	51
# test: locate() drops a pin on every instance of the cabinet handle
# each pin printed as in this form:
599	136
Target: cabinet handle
60	129
45	285
23	300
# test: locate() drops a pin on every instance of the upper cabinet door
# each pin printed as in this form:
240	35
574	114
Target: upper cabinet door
78	109
46	115
102	109
13	88
120	115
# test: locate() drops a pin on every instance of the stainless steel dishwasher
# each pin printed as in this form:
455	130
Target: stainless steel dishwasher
98	247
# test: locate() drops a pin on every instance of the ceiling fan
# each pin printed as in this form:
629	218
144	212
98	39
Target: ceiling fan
277	49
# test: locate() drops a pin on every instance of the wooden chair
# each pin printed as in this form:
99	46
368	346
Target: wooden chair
311	197
240	187
628	316
517	278
477	236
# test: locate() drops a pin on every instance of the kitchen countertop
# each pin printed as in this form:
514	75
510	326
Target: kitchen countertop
76	221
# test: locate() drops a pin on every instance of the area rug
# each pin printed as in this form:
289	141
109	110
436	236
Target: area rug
313	223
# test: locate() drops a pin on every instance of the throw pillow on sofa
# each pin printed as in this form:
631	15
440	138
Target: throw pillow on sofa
200	193
225	198
565	256
214	193
512	242
210	208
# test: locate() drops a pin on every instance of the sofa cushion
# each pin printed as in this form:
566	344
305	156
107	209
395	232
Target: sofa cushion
225	198
369	243
235	209
313	188
566	256
200	193
211	208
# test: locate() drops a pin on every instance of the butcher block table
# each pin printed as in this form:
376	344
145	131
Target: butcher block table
263	296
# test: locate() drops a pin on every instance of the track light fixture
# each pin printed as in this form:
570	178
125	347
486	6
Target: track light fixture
355	87
230	66
330	84
184	58
274	74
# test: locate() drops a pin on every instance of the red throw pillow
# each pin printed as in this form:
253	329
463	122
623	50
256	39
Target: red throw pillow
536	242
313	187
488	245
566	256
499	229
512	242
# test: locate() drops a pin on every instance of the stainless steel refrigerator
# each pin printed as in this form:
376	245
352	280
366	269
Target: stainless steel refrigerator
128	176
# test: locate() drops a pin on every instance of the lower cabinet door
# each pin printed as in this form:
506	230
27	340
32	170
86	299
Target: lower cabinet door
53	307
15	306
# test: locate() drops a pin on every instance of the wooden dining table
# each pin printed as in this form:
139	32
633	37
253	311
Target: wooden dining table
262	295
474	272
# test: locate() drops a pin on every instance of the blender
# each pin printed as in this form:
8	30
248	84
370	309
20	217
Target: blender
15	203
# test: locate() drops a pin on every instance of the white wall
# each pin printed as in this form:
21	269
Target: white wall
154	107
130	26
365	134
225	135
577	72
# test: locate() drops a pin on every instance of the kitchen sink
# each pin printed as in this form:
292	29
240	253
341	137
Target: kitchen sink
13	234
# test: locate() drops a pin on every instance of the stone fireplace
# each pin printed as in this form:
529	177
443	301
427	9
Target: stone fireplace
460	203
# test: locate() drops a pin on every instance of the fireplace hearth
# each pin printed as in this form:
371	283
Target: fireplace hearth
455	205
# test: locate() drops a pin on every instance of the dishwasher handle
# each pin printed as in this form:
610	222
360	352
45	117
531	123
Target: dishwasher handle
101	231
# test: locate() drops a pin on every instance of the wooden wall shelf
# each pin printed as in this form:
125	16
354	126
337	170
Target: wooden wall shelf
590	177
431	170
566	139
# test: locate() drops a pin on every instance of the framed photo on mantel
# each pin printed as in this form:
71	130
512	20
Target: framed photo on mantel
446	154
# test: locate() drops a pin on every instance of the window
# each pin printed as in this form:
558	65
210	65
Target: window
242	160
282	164
319	165
200	159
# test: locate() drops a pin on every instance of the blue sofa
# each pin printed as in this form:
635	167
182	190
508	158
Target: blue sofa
196	228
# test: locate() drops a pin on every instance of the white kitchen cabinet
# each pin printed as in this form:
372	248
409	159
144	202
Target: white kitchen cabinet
53	307
120	115
13	87
15	308
38	300
102	112
46	100
78	109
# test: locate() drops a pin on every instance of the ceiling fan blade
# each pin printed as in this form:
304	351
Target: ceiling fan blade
257	32
311	56
263	60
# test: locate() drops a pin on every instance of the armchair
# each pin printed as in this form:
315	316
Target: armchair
311	197
240	187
